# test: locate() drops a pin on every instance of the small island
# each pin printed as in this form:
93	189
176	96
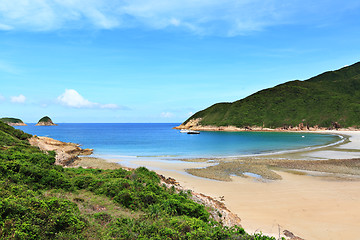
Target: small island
13	121
45	121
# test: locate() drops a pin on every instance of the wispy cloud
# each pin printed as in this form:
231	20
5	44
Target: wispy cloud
5	27
44	15
109	106
18	99
229	17
167	115
2	98
71	98
7	67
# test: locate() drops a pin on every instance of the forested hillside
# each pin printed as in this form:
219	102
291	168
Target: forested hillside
329	98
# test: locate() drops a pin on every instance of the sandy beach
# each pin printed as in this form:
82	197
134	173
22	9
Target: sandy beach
312	204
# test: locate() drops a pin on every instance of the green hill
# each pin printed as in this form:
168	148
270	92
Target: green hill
327	100
12	121
45	121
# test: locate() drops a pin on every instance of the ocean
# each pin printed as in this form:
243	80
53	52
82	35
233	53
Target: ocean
159	140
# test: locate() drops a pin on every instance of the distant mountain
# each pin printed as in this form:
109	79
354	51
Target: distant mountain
45	121
13	121
329	100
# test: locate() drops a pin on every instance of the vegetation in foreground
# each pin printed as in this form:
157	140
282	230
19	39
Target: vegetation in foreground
331	99
40	200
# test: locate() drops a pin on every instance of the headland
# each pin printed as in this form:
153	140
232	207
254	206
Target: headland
13	121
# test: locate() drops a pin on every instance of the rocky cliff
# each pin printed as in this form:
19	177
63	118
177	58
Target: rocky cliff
218	211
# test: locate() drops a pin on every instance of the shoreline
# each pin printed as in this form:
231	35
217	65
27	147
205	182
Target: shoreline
194	124
343	139
312	205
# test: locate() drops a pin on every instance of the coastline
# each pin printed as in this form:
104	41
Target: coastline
311	204
194	124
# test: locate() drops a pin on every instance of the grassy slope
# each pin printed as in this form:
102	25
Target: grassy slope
39	200
329	97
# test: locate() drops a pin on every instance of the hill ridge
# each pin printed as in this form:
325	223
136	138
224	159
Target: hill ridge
328	100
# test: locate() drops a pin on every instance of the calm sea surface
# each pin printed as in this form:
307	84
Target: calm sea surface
160	140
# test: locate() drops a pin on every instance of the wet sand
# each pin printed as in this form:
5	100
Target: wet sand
311	204
310	207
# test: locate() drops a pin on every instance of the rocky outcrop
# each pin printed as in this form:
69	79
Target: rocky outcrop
66	153
191	124
16	124
336	125
218	211
291	236
45	121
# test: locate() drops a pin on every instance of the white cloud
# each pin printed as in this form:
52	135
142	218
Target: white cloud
228	17
72	98
2	98
18	99
167	115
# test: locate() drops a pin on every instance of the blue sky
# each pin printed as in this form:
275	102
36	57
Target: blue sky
161	61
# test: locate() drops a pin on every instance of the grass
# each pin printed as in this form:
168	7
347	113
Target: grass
99	212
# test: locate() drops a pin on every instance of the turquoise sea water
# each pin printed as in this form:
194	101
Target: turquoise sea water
117	140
